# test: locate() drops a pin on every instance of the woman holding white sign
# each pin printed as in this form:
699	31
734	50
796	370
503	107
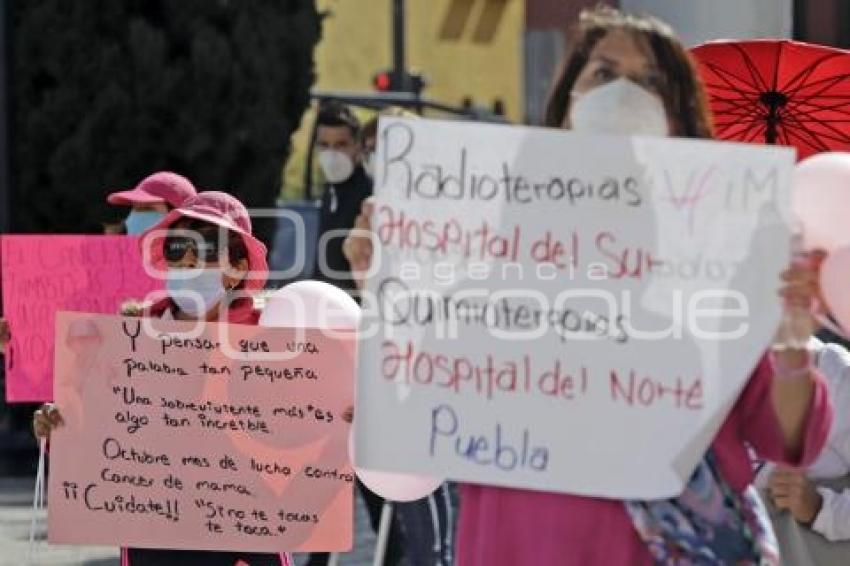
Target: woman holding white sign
210	234
630	75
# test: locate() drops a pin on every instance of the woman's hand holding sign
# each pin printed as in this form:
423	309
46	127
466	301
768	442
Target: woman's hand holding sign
5	334
793	386
45	420
358	245
791	490
802	282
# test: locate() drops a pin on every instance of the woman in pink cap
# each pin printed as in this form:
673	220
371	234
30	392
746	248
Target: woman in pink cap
149	201
229	266
152	199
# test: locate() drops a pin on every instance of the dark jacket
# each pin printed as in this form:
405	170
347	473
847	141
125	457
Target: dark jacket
340	207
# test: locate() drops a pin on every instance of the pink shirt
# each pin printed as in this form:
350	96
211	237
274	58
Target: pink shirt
510	526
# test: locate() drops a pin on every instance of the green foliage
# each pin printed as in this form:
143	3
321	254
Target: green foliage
104	92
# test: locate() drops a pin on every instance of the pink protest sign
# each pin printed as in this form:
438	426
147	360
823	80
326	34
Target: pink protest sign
45	274
208	437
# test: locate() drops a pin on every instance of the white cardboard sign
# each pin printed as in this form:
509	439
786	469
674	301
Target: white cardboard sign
564	312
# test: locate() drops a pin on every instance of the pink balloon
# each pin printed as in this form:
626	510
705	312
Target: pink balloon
393	486
835	285
822	198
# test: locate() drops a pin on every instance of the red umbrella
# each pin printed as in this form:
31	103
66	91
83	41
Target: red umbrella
778	91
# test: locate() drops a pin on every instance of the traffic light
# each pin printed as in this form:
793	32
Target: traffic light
391	81
384	82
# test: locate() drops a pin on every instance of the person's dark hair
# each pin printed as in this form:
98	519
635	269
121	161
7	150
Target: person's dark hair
336	114
682	91
369	130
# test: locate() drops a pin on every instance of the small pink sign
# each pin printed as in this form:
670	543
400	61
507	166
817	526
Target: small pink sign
45	274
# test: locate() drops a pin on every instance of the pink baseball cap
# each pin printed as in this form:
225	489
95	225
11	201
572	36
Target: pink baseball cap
220	209
161	187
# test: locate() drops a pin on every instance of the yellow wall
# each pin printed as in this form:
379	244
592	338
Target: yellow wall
465	48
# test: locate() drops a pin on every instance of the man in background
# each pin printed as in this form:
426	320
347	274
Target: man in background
346	187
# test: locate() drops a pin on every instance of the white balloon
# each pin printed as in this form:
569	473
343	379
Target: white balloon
310	304
316	305
320	305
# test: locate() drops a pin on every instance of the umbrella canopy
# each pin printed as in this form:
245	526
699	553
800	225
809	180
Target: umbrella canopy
778	91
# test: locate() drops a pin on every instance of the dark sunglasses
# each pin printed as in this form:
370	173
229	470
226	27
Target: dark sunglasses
206	249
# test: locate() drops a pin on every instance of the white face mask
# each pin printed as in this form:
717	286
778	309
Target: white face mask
619	107
369	164
336	165
195	292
